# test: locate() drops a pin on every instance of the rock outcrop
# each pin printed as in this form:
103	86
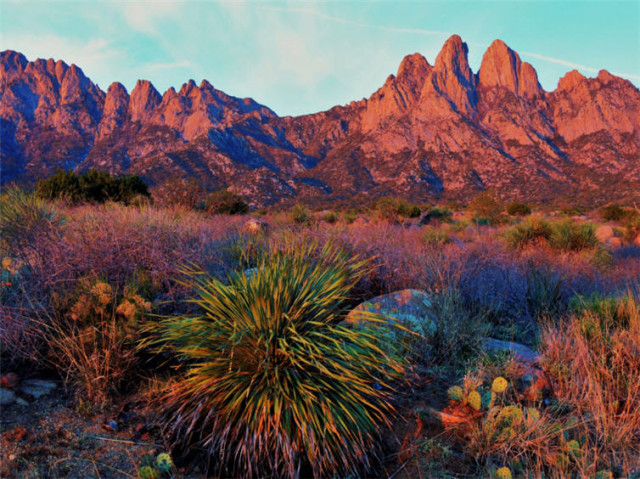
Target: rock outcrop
430	131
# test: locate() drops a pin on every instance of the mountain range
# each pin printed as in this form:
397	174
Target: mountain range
432	131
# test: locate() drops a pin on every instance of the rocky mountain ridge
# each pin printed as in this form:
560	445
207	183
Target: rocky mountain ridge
430	131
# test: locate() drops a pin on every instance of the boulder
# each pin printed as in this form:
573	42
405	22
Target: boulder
406	314
7	397
637	240
516	349
604	232
37	387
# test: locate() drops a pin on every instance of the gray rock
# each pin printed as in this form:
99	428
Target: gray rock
406	315
7	397
249	273
516	349
37	387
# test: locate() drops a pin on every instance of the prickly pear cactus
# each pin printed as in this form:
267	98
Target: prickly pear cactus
499	385
475	400
503	473
163	462
148	472
455	393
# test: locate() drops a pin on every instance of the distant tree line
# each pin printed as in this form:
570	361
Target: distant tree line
92	186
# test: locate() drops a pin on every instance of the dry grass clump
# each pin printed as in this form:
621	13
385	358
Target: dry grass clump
92	336
594	359
25	220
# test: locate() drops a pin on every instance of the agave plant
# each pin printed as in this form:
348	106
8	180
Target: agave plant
277	383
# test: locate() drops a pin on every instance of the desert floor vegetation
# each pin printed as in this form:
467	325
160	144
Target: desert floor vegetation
169	340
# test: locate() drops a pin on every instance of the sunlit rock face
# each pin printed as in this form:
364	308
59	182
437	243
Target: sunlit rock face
432	130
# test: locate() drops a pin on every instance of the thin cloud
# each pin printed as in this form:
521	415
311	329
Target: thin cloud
577	66
168	66
316	13
144	16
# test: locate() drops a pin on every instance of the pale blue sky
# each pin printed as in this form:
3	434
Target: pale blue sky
303	57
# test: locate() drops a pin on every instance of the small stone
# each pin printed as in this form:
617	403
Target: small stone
256	226
250	273
7	397
614	242
21	402
9	380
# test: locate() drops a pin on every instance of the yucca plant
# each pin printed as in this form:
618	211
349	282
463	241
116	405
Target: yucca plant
277	383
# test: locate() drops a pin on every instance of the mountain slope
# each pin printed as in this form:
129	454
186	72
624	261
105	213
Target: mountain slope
430	131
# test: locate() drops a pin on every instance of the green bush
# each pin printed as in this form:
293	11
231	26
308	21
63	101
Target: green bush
518	209
613	212
437	213
330	217
435	237
392	209
350	216
225	202
529	231
91	186
301	215
571	236
486	205
276	382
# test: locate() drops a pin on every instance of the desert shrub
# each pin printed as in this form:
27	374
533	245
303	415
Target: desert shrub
613	212
545	293
486	205
482	221
25	218
437	213
518	209
594	361
530	231
189	193
276	383
435	237
456	332
392	209
301	215
350	216
330	217
91	337
225	202
92	186
570	236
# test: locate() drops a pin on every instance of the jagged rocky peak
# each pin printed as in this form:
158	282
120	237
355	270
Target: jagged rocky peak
502	67
117	99
144	100
570	80
12	63
189	88
415	67
453	77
